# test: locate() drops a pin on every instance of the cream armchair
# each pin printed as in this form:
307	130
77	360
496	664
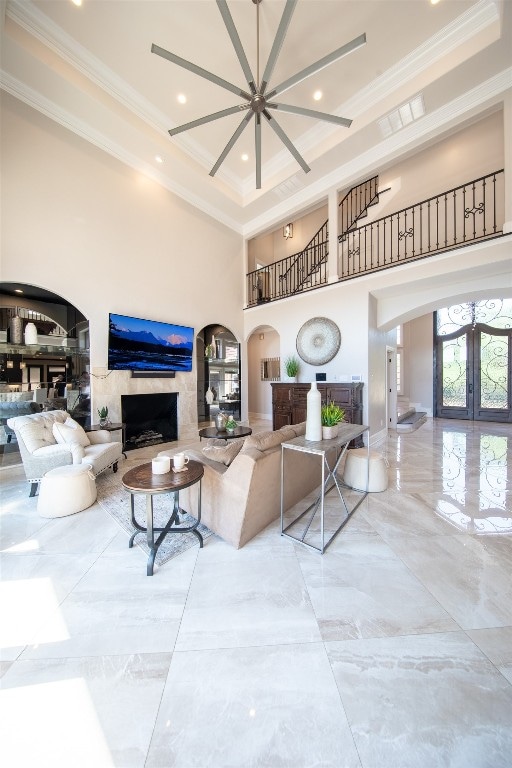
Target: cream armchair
52	439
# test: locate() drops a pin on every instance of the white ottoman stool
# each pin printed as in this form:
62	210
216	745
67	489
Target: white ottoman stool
354	474
66	490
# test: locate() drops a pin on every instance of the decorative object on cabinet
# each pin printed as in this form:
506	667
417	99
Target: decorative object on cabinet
16	330
103	414
318	341
291	367
209	396
30	334
332	415
313	414
289	402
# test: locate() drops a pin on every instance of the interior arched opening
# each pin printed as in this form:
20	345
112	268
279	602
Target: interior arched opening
218	374
263	367
44	358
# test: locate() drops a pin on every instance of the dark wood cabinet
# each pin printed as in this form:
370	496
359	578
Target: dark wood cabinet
289	402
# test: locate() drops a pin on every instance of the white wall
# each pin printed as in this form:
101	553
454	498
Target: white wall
418	362
273	246
81	224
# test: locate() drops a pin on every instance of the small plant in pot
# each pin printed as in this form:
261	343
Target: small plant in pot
231	424
332	415
103	414
291	367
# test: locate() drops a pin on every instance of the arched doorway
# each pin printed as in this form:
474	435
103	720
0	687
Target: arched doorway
218	373
29	371
473	361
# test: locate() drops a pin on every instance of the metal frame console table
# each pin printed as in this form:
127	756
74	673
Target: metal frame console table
322	449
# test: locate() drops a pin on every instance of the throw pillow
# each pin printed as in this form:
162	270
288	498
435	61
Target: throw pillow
224	453
70	432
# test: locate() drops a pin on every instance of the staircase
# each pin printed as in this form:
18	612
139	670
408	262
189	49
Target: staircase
408	419
353	207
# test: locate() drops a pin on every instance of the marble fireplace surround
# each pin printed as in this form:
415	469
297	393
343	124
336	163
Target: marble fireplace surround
108	386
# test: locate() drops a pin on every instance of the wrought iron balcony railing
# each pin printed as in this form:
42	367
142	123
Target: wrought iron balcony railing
466	214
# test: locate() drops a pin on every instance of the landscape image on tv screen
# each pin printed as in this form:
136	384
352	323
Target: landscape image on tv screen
147	345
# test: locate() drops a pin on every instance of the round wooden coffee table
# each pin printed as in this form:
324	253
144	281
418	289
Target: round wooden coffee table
142	480
224	434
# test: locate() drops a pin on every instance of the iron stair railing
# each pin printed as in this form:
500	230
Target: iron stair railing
308	268
466	214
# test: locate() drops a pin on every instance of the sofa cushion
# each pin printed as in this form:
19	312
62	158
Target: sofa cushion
70	432
223	452
264	441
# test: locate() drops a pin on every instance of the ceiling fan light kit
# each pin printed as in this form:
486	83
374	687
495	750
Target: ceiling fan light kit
259	98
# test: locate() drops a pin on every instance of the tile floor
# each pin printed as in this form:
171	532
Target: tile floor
393	649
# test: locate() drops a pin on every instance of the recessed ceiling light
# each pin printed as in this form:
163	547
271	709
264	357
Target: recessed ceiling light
434	2
158	159
78	3
245	157
317	95
182	98
18	290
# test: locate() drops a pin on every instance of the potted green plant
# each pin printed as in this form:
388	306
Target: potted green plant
231	424
103	414
291	367
331	415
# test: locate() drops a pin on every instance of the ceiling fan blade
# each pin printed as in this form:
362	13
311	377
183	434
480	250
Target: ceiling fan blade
311	113
286	141
199	71
208	119
257	144
237	45
278	42
357	42
229	146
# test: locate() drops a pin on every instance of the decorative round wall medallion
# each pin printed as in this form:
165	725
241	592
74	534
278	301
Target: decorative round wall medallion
318	341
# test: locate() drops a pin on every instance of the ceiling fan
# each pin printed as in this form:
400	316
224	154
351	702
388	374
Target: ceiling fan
259	99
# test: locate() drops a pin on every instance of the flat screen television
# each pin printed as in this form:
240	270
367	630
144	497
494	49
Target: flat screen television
148	346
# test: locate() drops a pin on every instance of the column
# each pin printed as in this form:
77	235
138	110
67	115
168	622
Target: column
332	264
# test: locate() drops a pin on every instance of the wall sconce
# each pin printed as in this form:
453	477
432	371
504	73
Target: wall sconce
288	231
262	336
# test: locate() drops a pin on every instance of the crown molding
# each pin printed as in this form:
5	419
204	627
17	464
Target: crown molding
82	129
477	99
37	24
462	30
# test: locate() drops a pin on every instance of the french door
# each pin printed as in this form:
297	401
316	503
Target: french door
473	367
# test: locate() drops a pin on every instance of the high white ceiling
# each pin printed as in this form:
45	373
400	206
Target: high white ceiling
91	69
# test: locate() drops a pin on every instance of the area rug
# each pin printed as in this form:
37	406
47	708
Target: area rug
115	500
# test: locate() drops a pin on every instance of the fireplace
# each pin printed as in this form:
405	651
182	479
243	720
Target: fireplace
150	419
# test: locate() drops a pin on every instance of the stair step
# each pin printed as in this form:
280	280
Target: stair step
411	422
404	415
411	417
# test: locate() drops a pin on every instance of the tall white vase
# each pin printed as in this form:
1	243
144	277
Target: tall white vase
314	414
30	334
